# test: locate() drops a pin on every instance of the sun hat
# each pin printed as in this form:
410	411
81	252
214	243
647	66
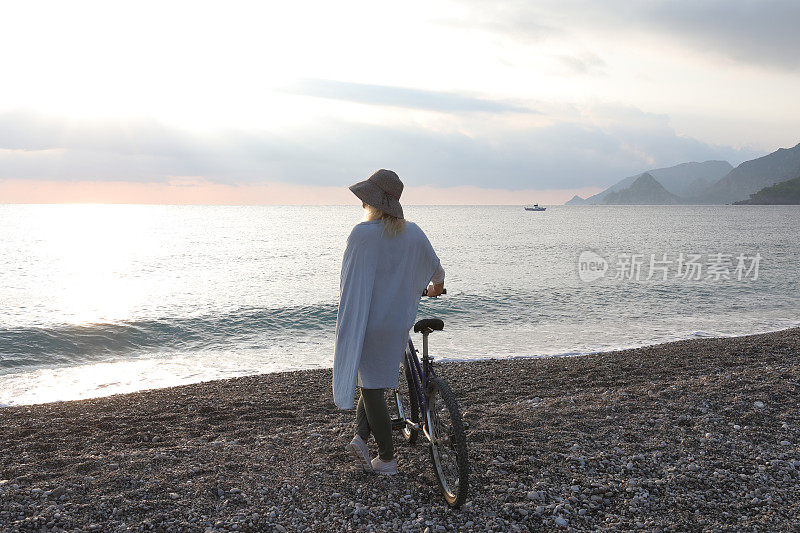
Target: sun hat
381	190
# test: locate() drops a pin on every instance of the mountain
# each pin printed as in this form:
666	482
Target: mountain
686	179
681	179
696	188
576	200
645	190
783	193
752	176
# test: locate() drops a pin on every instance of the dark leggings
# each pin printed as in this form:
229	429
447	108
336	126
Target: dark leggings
372	415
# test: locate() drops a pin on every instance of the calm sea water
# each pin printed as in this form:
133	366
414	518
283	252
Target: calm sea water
101	299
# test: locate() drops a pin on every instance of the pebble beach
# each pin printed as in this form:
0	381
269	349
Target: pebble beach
699	435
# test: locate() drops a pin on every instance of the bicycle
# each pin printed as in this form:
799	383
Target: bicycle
431	409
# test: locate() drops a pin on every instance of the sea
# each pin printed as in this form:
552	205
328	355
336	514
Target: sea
104	299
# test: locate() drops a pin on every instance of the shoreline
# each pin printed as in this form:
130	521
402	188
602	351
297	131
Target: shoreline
442	359
693	434
692	337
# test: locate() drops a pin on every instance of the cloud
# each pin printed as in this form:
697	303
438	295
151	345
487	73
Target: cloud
402	97
613	143
588	63
756	32
517	18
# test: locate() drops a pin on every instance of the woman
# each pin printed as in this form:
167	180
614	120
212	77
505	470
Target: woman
387	265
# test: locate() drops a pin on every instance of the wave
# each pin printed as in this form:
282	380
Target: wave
71	344
253	328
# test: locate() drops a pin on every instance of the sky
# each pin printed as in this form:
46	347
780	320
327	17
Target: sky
468	101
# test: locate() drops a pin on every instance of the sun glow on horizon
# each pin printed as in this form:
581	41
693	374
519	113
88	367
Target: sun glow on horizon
194	191
88	256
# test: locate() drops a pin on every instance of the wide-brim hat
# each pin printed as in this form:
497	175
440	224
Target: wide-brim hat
381	190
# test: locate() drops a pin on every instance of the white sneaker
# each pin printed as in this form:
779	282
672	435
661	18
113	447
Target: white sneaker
358	449
379	466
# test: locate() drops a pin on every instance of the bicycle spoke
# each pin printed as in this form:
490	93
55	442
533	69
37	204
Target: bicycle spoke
448	456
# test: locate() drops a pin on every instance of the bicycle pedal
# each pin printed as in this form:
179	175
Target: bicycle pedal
398	423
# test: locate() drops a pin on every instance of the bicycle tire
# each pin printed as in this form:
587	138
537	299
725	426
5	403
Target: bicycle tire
454	483
409	434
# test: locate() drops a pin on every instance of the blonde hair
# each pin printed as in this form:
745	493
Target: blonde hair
392	226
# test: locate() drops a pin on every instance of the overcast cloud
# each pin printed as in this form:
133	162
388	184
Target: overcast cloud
402	97
553	94
758	32
563	155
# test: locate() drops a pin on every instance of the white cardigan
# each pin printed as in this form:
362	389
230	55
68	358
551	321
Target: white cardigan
381	284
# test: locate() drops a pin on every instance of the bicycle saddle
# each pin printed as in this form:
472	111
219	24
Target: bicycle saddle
433	323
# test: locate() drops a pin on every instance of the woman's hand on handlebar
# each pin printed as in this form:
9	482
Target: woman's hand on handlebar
434	290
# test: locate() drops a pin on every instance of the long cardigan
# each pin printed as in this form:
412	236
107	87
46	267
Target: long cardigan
381	283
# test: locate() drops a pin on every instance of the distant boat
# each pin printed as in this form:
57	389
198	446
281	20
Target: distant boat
534	207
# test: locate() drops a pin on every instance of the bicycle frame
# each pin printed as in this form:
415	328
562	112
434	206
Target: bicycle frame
421	373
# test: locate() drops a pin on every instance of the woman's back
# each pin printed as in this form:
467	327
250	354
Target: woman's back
404	266
383	278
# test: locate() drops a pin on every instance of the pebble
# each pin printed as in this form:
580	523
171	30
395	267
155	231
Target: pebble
253	455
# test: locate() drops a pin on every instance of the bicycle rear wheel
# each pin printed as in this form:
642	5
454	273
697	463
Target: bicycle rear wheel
405	400
448	449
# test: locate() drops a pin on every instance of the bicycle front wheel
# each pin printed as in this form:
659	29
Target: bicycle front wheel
448	448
